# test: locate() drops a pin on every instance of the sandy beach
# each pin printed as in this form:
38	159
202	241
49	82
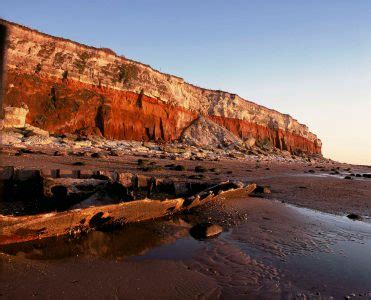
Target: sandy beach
287	243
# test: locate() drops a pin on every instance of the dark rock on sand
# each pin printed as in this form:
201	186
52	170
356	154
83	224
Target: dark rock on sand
200	176
200	169
143	162
60	153
348	177
262	190
179	168
152	168
353	216
205	230
97	155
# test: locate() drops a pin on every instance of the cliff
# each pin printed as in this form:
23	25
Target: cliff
70	87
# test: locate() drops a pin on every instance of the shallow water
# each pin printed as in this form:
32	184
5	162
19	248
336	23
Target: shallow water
270	249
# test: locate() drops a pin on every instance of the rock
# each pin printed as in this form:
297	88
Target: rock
200	169
348	177
367	175
10	138
286	154
250	142
60	153
152	168
236	155
140	149
197	177
205	230
82	143
97	155
186	155
15	117
32	130
173	149
38	140
354	216
179	168
204	132
113	153
143	162
262	190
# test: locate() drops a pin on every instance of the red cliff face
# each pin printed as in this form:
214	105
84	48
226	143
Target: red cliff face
70	87
282	140
72	107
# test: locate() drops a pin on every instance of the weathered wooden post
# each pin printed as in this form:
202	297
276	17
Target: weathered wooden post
3	33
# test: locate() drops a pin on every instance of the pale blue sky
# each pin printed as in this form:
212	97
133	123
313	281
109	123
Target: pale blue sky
308	58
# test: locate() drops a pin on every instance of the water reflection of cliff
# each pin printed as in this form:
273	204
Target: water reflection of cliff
133	239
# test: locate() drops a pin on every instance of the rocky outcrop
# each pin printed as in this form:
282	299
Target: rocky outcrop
204	132
71	87
14	117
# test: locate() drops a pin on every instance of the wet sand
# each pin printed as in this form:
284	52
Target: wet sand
268	249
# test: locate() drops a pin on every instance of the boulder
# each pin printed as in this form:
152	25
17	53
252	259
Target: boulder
205	230
262	189
15	117
250	142
354	216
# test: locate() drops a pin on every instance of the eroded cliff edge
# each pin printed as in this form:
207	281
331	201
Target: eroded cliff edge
70	87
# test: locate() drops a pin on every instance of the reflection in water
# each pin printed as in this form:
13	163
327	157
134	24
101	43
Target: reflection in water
133	239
